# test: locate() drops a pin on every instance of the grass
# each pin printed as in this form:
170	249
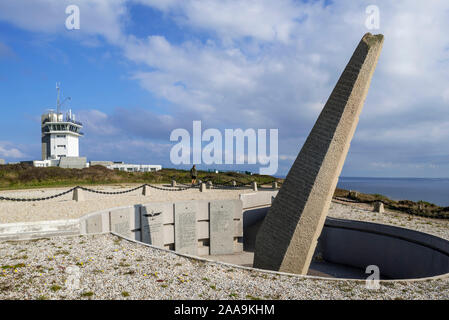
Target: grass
55	288
25	176
87	294
420	208
16	266
62	252
130	272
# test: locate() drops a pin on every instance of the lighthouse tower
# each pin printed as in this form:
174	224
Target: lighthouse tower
60	135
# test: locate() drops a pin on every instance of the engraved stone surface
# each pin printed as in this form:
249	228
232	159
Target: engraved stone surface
152	217
185	228
126	222
222	227
288	236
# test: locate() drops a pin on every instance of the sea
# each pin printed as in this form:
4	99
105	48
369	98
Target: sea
433	190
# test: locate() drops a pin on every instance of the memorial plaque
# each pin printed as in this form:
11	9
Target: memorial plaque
288	236
222	227
94	224
126	222
153	222
185	228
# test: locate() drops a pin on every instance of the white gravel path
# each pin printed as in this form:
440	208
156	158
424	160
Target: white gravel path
111	268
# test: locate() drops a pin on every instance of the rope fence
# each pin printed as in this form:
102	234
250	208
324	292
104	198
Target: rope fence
181	187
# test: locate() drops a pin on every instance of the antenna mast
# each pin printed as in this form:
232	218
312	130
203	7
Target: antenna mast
58	105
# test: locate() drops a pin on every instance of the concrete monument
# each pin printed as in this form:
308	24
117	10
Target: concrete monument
152	220
222	228
126	222
186	240
288	236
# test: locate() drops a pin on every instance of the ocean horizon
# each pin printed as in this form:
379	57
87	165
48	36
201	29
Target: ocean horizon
433	190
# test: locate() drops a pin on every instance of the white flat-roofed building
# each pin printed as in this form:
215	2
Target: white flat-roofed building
135	167
46	163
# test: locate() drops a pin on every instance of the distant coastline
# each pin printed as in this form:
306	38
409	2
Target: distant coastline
433	190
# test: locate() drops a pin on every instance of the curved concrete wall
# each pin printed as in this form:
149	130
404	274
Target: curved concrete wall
399	253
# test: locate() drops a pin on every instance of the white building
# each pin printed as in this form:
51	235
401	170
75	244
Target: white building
60	136
134	167
60	143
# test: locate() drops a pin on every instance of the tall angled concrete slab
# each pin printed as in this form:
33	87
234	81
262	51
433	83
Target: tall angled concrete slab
288	236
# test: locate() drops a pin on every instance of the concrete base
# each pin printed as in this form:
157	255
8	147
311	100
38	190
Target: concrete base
78	195
379	207
399	253
73	162
41	229
146	191
254	186
317	269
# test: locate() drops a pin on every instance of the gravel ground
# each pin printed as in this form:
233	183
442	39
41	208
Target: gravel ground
112	268
65	208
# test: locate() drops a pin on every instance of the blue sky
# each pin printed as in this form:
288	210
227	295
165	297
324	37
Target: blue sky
137	69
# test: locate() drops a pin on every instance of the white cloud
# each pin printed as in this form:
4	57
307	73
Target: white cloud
98	17
273	64
7	150
97	123
260	19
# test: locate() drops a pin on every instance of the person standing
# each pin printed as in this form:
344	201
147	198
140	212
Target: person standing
193	174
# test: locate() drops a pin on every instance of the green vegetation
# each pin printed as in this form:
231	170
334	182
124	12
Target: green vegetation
55	288
87	294
17	266
25	176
